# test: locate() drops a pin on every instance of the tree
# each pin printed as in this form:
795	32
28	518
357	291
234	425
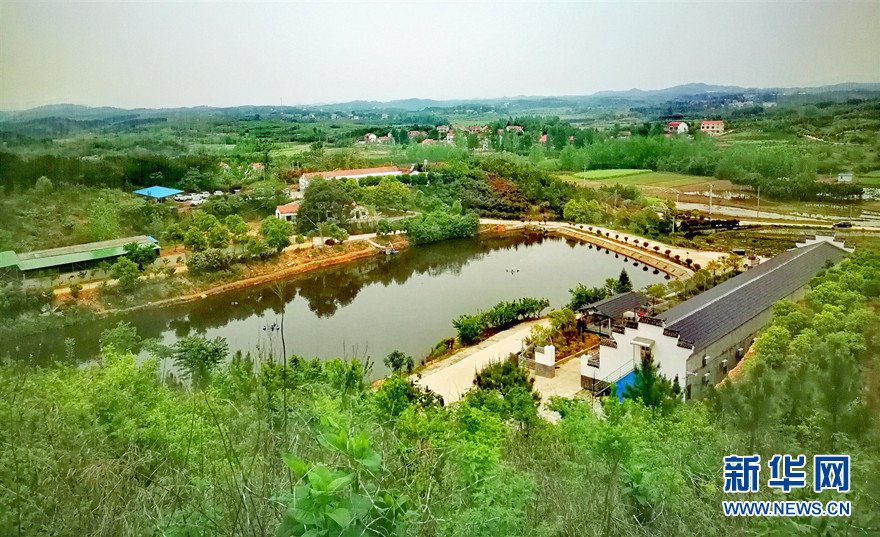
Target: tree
43	185
624	285
324	200
237	226
383	228
399	362
141	254
199	356
583	295
218	236
389	194
195	239
652	388
277	232
126	271
123	338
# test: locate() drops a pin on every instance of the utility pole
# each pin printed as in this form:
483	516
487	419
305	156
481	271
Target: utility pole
710	202
759	201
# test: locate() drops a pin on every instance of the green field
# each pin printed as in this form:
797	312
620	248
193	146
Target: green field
634	178
609	174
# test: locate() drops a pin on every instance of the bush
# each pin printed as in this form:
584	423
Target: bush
212	260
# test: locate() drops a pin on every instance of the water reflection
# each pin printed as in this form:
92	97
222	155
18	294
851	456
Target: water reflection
403	301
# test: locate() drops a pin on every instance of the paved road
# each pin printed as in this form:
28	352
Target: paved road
453	376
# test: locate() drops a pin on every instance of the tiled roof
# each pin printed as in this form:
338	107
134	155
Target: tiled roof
712	123
618	304
290	208
359	171
715	313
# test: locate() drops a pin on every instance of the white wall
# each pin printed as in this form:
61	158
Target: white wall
671	359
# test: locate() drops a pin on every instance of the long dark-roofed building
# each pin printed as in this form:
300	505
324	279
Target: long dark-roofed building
698	341
67	258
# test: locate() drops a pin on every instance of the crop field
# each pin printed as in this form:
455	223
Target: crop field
609	174
634	178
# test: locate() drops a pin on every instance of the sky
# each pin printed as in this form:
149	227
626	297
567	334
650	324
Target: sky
170	54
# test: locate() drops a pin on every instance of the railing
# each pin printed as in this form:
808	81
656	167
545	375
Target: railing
601	386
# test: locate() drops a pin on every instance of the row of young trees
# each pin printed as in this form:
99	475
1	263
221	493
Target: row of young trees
471	328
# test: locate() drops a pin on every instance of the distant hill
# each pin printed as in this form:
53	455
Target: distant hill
506	104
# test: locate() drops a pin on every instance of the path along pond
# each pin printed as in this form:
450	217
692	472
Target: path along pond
368	308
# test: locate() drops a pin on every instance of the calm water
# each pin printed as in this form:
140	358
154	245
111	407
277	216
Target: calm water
373	306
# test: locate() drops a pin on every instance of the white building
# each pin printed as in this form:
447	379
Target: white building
697	342
845	177
287	212
712	128
359	173
676	127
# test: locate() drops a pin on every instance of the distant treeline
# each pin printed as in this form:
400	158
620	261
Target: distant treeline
19	174
785	173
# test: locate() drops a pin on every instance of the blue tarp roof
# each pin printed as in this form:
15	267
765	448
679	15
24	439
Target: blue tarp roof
158	192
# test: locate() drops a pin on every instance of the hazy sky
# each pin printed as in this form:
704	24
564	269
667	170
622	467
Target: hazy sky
162	54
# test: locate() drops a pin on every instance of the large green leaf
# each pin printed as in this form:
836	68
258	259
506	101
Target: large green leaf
300	467
341	516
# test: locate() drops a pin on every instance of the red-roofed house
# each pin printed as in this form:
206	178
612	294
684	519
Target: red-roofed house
287	212
542	139
428	141
677	127
514	128
370	138
712	128
359	173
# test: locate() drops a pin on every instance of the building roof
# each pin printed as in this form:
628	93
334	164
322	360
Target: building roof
713	122
158	192
542	139
711	315
674	123
290	208
382	170
8	259
618	304
54	257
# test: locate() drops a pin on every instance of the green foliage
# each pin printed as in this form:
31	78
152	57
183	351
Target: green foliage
142	254
440	225
398	362
218	236
383	227
652	388
198	356
122	338
583	295
276	232
332	231
324	200
126	271
502	315
236	226
350	501
211	260
195	239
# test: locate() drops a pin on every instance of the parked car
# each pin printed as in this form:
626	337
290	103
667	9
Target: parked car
843	224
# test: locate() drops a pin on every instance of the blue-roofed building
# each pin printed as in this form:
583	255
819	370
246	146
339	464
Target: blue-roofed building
158	192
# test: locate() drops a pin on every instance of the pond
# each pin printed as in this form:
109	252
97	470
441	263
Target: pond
370	307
